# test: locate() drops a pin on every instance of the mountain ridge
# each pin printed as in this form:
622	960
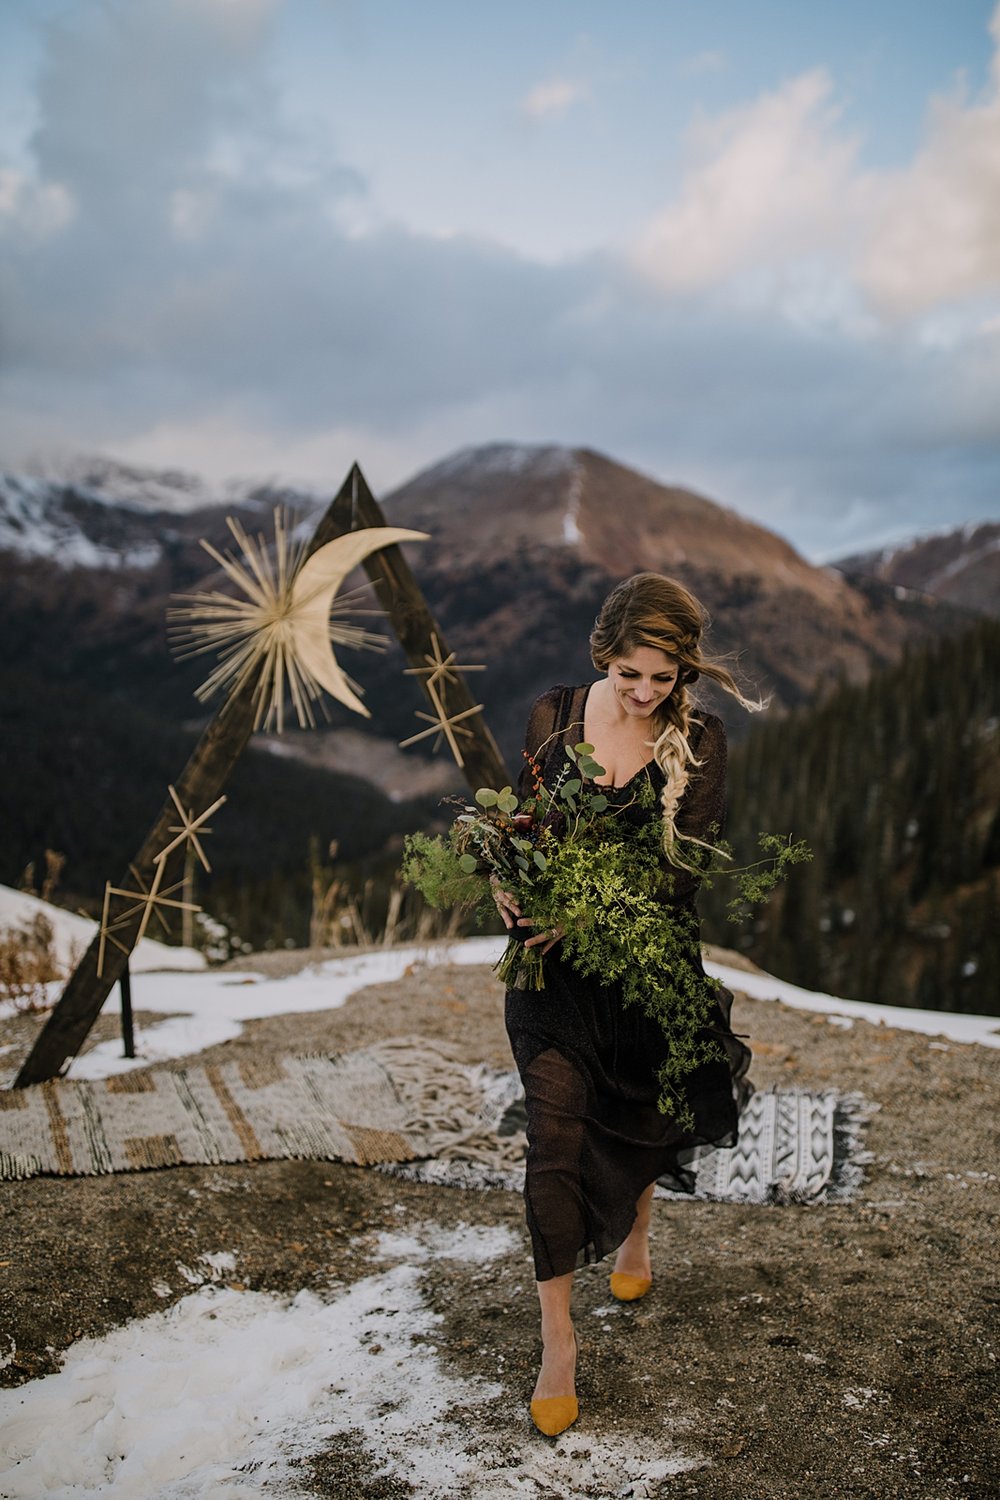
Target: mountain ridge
960	565
614	516
525	545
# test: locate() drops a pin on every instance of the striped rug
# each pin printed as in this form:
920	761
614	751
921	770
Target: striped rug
337	1109
407	1104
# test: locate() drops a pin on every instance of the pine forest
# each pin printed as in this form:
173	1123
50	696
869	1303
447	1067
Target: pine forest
895	785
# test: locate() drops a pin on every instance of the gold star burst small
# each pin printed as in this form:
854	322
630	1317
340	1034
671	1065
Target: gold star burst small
279	631
147	900
187	830
439	671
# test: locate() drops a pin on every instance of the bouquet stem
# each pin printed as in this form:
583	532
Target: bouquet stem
520	968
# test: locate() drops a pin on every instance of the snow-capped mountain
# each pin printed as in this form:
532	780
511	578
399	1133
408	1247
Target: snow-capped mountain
109	482
489	502
526	541
96	513
42	519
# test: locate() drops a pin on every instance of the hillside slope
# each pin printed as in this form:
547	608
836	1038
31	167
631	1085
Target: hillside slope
527	542
961	567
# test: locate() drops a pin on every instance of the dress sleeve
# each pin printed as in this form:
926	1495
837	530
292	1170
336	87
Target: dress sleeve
702	812
541	725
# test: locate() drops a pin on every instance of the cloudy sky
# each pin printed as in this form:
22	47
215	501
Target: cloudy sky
752	248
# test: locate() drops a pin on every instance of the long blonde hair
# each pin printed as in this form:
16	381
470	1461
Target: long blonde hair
650	610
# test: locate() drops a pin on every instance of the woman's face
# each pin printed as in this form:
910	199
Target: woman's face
641	680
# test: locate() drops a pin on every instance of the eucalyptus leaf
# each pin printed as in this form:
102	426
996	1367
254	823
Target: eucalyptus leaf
520	860
468	863
570	788
486	797
540	860
583	748
507	802
598	803
570	753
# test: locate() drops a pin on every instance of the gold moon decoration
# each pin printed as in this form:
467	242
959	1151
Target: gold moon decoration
315	586
279	635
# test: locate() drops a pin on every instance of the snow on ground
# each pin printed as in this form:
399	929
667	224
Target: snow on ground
957	1027
222	1393
72	935
210	1007
227	1392
213	1005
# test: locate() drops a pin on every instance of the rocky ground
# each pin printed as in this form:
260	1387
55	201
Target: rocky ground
843	1350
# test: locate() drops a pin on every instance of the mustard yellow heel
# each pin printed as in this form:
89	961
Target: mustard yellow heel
629	1288
553	1414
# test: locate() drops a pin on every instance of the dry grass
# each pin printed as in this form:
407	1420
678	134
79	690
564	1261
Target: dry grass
27	964
344	915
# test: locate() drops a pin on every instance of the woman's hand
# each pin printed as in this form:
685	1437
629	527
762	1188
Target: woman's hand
505	903
508	908
550	938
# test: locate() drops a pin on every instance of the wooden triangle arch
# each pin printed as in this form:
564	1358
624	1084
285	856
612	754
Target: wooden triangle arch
221	746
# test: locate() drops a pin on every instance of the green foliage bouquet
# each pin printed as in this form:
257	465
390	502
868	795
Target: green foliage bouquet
596	870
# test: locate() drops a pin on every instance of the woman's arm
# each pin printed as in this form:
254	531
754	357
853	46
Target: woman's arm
702	811
540	728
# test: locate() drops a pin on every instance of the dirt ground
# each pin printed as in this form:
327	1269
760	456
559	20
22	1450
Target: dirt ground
842	1350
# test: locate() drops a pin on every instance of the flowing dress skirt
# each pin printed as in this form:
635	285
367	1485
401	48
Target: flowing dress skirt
596	1139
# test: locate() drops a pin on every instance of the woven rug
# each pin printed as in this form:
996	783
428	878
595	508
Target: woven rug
407	1104
794	1146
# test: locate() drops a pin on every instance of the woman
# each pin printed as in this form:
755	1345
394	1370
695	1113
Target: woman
596	1141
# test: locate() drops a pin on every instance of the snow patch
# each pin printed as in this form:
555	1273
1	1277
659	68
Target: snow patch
72	935
958	1027
570	526
227	1393
571	532
219	1394
211	1007
471	1243
213	1267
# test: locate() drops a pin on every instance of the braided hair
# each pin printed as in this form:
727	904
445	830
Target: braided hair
650	610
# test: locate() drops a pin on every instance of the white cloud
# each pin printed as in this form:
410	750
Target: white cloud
223	442
188	280
775	181
35	210
553	98
775	194
935	234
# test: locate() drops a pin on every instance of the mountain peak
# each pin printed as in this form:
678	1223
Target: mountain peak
488	501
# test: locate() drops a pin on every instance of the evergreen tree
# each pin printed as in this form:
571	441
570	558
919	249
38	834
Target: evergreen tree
895	785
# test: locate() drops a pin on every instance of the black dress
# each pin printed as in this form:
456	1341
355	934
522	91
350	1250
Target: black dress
588	1063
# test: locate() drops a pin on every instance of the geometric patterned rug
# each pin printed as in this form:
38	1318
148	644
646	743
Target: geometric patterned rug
794	1146
408	1105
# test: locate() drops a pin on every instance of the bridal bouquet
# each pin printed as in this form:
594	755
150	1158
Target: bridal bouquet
596	870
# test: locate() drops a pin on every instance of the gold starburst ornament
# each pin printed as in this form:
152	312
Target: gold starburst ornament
280	631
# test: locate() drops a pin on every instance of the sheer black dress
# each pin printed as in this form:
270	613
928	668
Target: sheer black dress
589	1063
